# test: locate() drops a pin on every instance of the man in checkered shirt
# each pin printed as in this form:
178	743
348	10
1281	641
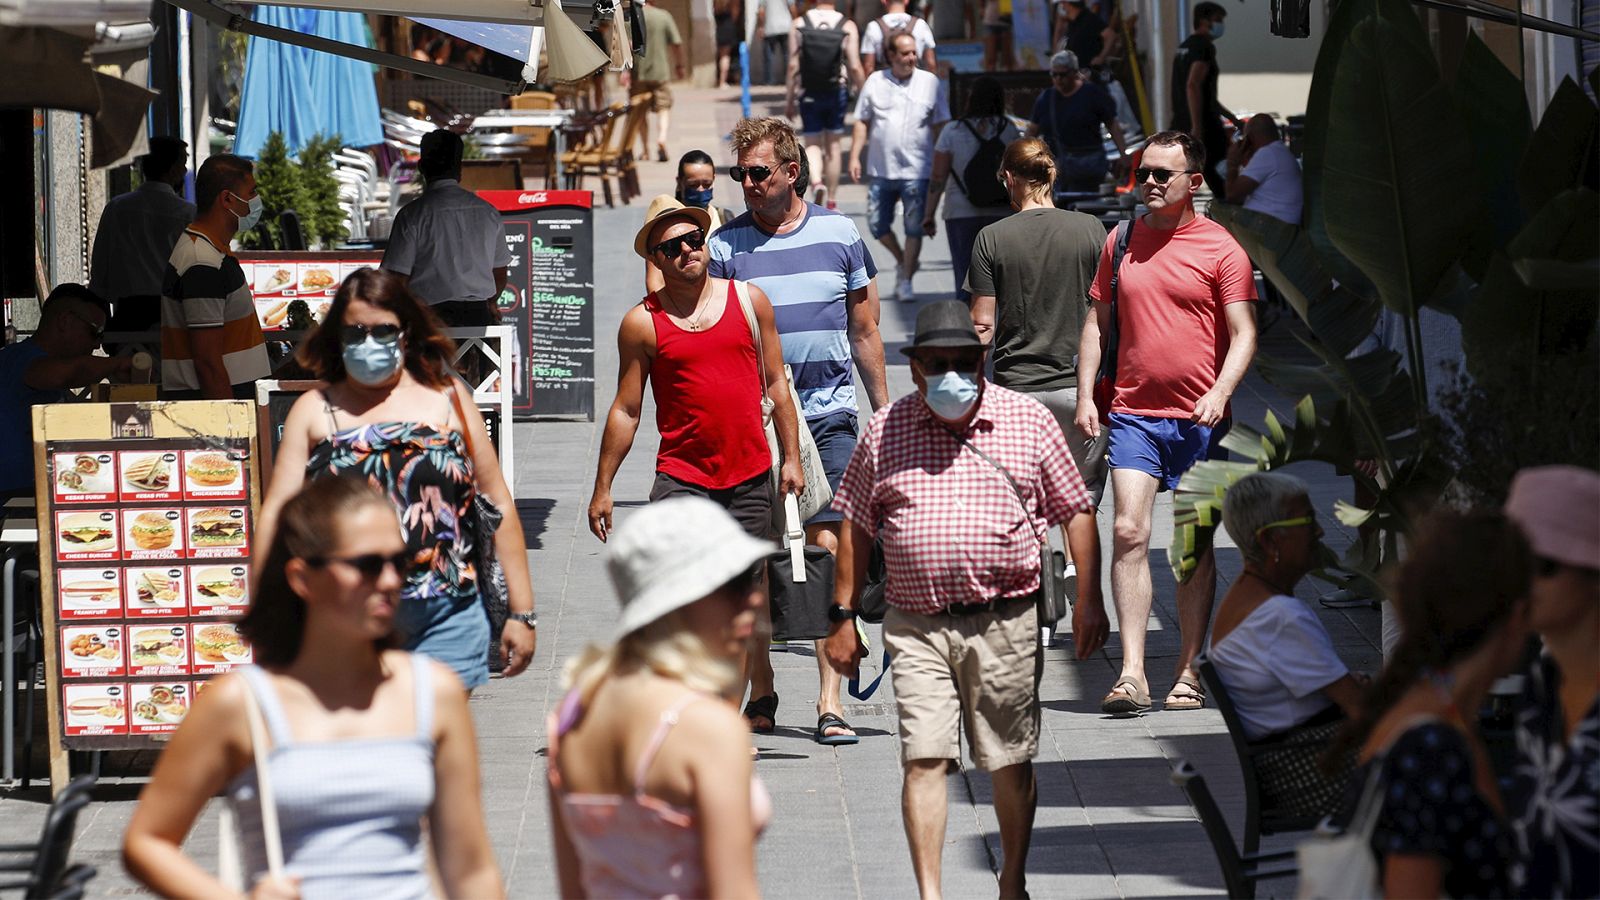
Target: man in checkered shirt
961	550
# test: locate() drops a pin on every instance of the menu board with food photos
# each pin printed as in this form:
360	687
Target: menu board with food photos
145	543
278	279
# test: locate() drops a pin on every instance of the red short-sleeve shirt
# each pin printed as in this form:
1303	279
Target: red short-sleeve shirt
1170	299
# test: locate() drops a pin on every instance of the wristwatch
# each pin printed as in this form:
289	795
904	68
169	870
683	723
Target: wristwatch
530	619
837	613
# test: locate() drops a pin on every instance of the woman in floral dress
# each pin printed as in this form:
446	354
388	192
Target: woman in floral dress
393	414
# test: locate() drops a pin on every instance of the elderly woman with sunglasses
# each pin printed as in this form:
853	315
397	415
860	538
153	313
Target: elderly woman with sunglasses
392	413
1271	652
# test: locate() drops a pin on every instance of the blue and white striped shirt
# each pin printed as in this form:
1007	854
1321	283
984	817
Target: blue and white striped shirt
807	274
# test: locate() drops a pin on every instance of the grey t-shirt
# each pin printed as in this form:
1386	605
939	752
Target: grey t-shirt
1038	265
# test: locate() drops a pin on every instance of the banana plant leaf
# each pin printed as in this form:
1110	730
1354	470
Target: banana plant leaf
1394	137
1562	148
1490	100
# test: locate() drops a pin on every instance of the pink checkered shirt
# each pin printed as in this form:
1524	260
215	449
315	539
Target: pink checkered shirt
953	530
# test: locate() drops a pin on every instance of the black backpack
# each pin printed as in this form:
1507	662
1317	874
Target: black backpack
821	55
979	179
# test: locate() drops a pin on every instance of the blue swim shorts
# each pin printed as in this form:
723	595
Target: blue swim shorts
1163	448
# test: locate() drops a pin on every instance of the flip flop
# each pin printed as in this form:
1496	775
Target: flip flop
1133	699
829	720
1186	693
762	708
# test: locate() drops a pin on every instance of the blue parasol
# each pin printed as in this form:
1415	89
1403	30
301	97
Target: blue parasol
302	92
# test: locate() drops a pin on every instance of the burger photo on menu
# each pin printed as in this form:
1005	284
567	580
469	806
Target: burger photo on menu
152	533
162	648
87	535
89	593
148	476
218	586
217	531
211	473
218	647
155	591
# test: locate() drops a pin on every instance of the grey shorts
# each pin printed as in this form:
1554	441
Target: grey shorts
749	502
1088	453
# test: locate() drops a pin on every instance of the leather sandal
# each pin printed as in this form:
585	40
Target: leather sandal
1186	693
1126	698
762	708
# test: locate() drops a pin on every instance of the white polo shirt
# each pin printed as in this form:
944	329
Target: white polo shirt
902	115
449	241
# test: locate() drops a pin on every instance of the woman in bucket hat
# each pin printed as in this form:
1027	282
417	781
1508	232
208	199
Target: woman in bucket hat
652	788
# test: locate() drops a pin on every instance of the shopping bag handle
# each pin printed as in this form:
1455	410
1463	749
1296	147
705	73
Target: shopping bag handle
794	538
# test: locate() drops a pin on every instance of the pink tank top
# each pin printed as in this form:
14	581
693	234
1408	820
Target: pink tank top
635	845
707	388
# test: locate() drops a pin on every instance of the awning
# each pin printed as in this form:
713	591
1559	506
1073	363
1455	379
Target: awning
55	68
564	55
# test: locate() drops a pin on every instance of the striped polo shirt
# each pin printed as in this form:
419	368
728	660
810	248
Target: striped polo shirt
807	274
204	287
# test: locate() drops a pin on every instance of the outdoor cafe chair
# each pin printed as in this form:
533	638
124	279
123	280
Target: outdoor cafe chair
44	866
1240	870
597	155
1257	821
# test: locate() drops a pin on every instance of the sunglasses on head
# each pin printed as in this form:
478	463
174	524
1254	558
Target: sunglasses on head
1161	176
370	565
694	240
758	174
383	334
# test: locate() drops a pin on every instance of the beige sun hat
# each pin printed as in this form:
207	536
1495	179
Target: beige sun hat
670	554
666	207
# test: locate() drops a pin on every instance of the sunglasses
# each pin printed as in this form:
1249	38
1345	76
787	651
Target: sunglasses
370	565
1057	76
1161	176
1288	523
694	240
96	330
939	365
383	334
758	174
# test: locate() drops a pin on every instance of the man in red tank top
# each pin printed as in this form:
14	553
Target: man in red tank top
693	344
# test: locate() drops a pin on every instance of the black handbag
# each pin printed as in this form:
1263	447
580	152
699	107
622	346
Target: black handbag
801	589
871	605
1052	563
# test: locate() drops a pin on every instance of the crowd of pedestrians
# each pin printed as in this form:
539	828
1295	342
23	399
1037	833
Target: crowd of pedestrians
1072	357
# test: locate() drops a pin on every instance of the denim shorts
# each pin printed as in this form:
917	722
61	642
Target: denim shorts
823	112
882	194
835	434
1163	448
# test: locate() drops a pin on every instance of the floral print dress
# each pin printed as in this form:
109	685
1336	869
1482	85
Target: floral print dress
428	475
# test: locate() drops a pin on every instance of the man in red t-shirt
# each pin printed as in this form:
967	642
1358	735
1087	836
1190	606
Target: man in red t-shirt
1187	332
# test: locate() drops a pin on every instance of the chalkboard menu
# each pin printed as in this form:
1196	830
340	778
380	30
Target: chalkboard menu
146	532
549	298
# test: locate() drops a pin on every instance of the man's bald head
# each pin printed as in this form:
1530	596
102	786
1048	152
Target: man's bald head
1262	129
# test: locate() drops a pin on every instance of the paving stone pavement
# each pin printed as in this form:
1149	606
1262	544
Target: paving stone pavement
1110	824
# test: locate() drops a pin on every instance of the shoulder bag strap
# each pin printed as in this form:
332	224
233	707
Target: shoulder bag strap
466	432
1108	359
259	748
1006	474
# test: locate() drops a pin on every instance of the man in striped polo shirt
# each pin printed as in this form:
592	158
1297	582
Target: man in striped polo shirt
212	347
814	267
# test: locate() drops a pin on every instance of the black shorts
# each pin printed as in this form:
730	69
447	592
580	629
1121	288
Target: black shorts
749	502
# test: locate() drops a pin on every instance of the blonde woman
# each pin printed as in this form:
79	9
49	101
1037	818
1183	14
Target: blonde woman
652	790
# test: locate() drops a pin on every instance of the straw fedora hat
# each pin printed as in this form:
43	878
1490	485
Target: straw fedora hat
667	207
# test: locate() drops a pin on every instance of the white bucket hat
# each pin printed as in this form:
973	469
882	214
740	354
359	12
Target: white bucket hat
670	554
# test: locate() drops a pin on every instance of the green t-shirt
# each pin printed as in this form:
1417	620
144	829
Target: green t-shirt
660	31
1038	265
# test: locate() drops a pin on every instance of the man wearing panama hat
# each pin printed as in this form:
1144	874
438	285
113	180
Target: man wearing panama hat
692	342
959	482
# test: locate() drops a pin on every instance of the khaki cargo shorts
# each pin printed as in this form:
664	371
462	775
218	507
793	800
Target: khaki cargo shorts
660	93
977	673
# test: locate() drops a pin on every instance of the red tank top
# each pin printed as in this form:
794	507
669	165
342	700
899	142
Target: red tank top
707	389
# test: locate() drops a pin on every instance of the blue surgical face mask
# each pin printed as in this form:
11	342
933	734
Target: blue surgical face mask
371	363
951	395
693	197
249	219
1216	30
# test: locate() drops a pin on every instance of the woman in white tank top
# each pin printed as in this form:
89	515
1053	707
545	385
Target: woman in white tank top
365	743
